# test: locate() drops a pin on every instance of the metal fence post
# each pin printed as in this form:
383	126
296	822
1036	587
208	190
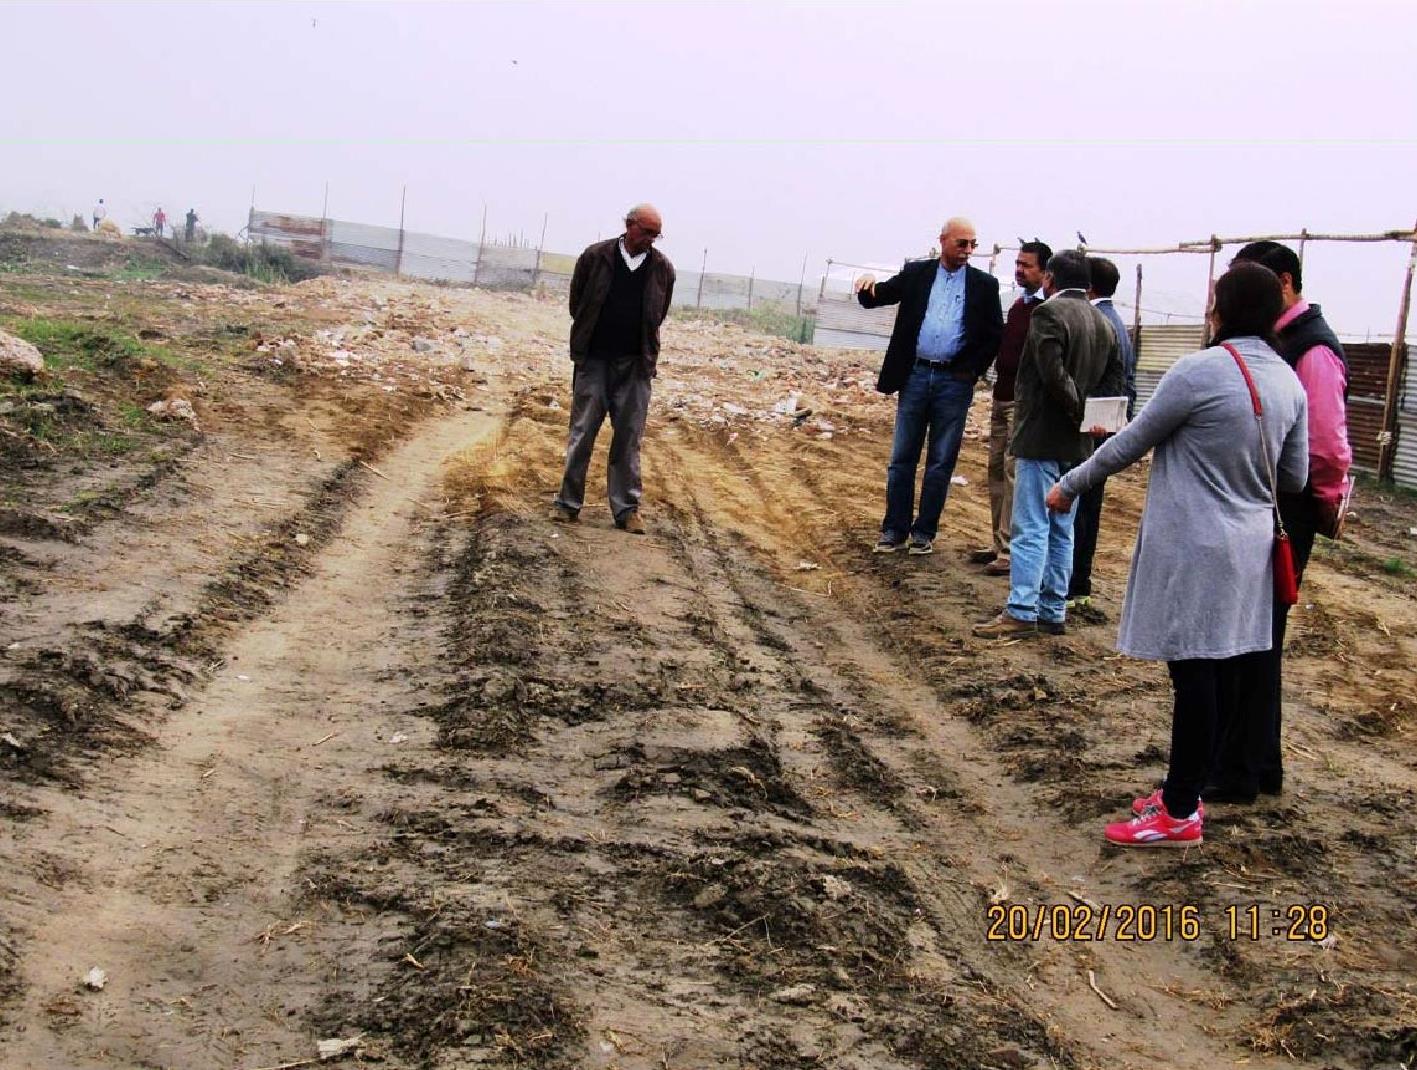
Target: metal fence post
398	263
702	268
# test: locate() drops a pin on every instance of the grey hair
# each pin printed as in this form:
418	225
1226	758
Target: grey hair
956	221
634	213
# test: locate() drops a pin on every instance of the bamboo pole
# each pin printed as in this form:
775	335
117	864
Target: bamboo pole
1387	441
1305	235
403	201
1210	282
994	257
481	241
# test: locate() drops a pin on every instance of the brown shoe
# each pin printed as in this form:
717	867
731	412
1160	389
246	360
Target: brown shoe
630	521
562	515
1006	627
997	567
982	557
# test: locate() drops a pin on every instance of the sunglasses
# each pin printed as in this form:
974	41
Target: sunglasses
966	243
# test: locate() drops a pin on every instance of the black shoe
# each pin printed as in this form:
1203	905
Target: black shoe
1052	627
1232	796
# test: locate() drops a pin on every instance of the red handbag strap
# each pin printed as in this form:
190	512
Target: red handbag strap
1249	379
1264	443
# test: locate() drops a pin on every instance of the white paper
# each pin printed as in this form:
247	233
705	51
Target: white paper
1110	414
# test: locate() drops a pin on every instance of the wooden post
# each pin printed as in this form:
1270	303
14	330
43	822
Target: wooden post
702	268
403	201
481	241
1303	237
751	273
801	281
994	257
541	244
822	293
1136	316
325	226
1387	441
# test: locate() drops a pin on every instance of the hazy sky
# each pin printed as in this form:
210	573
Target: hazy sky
764	132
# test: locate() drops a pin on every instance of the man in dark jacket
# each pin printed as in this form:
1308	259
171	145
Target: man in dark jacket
1071	353
620	293
1028	275
1249	759
1087	518
946	333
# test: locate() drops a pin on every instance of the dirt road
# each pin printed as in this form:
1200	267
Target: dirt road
478	789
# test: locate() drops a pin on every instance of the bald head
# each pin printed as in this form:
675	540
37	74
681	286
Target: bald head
642	227
957	241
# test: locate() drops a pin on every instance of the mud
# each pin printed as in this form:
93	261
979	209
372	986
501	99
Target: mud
316	727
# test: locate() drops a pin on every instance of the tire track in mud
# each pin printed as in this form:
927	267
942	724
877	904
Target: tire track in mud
989	823
176	869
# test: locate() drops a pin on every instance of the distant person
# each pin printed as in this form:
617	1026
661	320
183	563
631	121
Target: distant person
1070	351
159	222
1250	759
1201	585
100	213
946	333
1086	524
620	293
1028	275
191	232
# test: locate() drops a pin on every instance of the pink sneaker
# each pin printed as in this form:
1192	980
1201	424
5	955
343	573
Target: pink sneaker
1140	806
1154	827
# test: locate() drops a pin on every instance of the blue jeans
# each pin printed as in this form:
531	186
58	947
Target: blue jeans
1041	551
931	402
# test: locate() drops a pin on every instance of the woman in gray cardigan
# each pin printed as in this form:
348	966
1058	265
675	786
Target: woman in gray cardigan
1201	588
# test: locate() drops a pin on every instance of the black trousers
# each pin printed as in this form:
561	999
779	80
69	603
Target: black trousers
1086	522
1249	754
1207	694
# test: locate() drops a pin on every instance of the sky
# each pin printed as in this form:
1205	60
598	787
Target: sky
766	133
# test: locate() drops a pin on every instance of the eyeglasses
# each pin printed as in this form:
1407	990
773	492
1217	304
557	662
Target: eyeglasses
650	234
966	243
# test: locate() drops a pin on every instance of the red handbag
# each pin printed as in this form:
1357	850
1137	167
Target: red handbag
1286	576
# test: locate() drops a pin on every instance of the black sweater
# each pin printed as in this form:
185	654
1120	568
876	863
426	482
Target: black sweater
621	320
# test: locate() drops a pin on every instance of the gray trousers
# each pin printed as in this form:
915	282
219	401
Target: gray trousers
617	388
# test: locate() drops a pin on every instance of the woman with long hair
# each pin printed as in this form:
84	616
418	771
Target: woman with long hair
1201	588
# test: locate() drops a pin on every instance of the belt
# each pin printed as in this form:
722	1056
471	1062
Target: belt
934	363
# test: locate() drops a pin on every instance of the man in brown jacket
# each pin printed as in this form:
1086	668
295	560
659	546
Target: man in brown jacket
1071	354
620	294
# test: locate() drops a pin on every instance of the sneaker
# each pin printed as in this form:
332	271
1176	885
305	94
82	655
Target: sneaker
1081	601
1052	627
982	557
563	515
1147	802
997	567
630	521
1154	827
886	544
920	546
1006	627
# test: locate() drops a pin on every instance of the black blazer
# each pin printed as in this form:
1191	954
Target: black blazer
983	320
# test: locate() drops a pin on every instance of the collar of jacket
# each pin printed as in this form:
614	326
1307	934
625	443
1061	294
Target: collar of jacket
611	249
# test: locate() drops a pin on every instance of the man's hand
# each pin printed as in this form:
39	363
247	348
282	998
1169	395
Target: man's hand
1057	501
867	283
1098	432
1328	510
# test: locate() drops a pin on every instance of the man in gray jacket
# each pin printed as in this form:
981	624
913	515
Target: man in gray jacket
1071	353
620	293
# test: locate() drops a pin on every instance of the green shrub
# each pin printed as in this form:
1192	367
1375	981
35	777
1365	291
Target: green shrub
268	263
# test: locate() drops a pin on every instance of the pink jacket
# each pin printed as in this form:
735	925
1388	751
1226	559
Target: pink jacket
1324	381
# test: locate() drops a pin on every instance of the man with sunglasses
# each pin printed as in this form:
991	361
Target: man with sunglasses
620	293
946	333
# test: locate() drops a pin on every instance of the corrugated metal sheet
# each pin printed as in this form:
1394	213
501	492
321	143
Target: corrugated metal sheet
1158	347
842	322
835	339
1404	468
1365	421
1162	344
